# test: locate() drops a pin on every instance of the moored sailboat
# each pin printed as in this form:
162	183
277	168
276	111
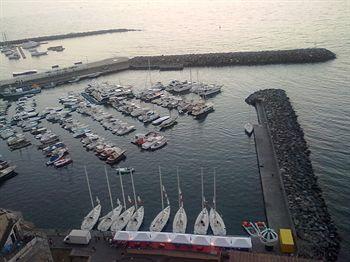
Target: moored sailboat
91	218
107	220
216	222
137	218
162	218
202	222
180	219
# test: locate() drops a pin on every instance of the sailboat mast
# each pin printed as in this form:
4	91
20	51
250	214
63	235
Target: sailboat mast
202	188
121	185
161	187
214	199
178	185
88	183
133	189
109	188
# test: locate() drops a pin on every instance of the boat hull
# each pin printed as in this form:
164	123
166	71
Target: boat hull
217	223
160	220
202	223
180	221
136	220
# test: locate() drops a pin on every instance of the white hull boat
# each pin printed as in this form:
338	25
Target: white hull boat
136	220
91	219
249	129
160	120
123	219
217	223
160	220
180	221
107	221
202	223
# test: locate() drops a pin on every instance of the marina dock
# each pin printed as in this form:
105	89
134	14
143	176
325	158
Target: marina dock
277	213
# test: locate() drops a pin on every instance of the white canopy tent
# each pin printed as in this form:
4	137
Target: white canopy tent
200	240
142	237
181	239
124	235
185	239
241	242
221	241
160	237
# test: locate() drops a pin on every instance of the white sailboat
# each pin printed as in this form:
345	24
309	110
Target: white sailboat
125	217
216	222
180	219
137	218
107	220
91	218
202	222
162	218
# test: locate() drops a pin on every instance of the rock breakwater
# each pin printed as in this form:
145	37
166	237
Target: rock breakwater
64	36
294	56
316	232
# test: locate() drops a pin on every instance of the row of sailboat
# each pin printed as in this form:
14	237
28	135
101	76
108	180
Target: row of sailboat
131	218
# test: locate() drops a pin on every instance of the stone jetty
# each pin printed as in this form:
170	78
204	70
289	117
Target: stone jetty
64	36
294	56
316	233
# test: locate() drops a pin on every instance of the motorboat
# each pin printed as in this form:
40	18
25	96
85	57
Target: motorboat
57	157
63	162
7	173
168	123
248	128
159	144
124	170
160	120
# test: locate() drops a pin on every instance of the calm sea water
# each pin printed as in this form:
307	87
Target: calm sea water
319	92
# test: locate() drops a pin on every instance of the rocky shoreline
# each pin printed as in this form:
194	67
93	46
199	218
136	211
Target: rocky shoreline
316	232
294	56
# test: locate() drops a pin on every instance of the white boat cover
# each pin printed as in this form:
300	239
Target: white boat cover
200	240
186	239
142	236
181	239
241	242
124	235
160	237
221	241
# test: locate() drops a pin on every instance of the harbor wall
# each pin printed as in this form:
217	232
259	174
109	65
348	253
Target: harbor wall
312	221
65	36
294	56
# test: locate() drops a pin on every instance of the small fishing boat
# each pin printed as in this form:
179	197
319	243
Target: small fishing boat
63	162
250	228
124	170
248	128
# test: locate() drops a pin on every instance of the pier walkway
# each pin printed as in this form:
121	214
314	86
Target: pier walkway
277	212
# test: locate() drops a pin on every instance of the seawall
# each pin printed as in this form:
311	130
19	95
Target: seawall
312	221
294	56
64	36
